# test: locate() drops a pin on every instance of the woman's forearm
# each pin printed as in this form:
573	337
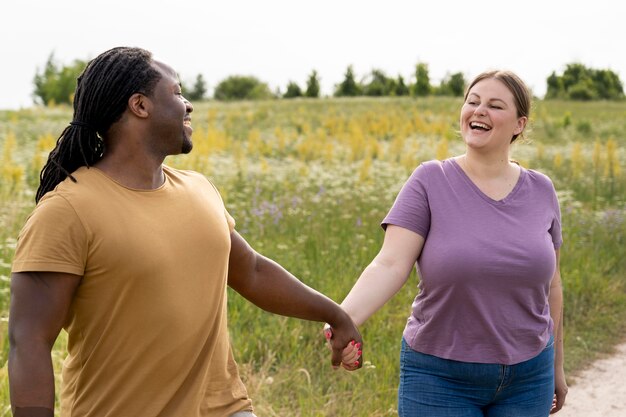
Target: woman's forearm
377	284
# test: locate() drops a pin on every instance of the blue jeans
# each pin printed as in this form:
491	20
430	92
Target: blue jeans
436	387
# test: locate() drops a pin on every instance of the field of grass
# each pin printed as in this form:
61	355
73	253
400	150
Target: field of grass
309	181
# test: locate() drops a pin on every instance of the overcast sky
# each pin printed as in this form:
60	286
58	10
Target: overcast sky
281	40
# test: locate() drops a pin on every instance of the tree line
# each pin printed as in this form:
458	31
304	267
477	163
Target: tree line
55	83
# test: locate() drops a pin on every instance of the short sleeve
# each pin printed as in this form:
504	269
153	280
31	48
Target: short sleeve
555	227
229	220
52	240
411	209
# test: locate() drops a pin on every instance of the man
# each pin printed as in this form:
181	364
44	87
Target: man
132	258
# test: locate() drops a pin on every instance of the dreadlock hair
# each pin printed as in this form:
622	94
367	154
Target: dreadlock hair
101	97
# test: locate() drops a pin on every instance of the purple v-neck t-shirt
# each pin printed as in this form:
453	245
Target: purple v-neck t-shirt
486	266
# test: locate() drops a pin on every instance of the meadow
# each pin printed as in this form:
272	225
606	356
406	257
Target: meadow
308	182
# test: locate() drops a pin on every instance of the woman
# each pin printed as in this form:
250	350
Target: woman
485	334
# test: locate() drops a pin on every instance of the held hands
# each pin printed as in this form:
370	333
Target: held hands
351	354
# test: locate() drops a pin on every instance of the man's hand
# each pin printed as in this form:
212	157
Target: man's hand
350	354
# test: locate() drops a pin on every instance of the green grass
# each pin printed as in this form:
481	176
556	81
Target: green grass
308	183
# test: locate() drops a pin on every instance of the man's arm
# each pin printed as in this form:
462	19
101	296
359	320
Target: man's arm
272	288
39	305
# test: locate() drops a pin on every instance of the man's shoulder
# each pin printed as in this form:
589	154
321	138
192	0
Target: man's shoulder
183	174
84	183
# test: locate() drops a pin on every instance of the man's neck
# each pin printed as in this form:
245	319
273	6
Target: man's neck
138	174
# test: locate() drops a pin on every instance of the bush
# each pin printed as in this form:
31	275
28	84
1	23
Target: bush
237	87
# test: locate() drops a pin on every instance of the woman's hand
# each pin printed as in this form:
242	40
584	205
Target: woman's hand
560	390
351	357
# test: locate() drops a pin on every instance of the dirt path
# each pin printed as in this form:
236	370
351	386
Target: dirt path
600	391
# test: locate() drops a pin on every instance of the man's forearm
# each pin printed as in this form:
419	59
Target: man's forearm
276	290
31	381
272	288
32	412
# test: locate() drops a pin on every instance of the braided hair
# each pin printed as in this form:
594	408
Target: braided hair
101	97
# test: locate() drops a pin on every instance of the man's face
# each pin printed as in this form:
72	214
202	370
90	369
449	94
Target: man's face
171	115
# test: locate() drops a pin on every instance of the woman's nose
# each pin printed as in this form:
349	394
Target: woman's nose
480	110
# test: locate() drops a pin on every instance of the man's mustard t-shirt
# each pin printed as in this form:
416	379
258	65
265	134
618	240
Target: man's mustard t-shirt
147	330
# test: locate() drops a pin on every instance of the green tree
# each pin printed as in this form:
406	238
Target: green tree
293	90
401	88
456	84
452	85
582	90
237	87
348	87
422	87
198	91
555	86
313	85
574	74
581	83
55	83
608	85
379	84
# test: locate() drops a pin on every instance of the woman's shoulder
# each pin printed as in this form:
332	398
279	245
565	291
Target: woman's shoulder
433	165
433	172
538	178
436	168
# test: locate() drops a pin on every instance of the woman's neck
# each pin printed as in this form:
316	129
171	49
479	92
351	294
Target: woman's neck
491	166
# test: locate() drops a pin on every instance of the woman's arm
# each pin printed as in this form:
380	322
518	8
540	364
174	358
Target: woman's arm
385	275
556	311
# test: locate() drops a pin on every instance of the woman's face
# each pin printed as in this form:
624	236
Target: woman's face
489	117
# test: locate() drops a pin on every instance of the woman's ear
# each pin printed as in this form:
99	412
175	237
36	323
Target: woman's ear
521	124
139	105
